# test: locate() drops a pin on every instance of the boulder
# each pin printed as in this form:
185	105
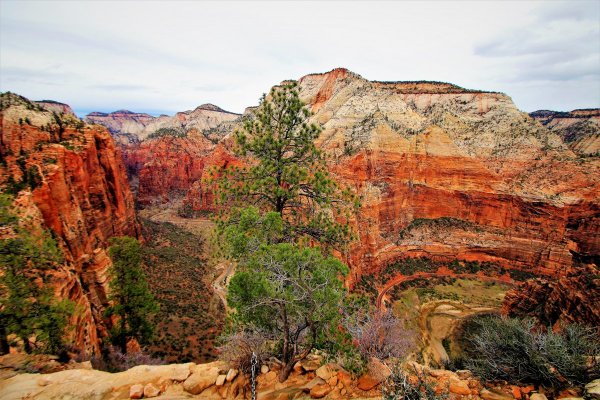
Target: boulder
201	380
326	371
231	374
316	381
459	387
150	390
489	395
319	391
367	382
538	396
220	380
136	392
592	389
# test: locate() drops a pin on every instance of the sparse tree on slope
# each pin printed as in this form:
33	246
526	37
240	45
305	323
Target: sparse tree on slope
131	300
291	293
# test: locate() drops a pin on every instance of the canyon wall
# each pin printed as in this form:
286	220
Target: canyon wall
580	129
442	171
82	196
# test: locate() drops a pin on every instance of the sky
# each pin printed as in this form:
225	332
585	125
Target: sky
168	56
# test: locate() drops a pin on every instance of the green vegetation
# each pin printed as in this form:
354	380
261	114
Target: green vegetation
516	351
286	173
131	300
290	293
190	316
411	386
28	308
168	132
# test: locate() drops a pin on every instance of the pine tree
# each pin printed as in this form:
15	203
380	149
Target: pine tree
292	294
131	301
285	172
28	307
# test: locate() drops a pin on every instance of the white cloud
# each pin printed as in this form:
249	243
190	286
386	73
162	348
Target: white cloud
176	55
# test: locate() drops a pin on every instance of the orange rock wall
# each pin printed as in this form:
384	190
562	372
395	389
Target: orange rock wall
84	199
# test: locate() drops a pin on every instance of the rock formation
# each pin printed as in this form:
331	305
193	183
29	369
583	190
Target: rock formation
129	127
580	129
55	106
572	298
508	190
443	172
81	195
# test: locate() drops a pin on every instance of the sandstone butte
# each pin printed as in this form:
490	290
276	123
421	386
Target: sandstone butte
83	198
443	172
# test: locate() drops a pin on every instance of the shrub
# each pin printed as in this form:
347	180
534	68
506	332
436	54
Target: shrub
383	335
515	351
238	348
113	360
401	385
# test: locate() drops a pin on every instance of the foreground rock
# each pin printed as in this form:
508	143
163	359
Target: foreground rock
216	381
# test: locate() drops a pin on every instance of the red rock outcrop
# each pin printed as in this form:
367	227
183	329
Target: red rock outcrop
426	152
573	297
82	196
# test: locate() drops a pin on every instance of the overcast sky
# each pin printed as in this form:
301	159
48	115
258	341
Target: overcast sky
168	56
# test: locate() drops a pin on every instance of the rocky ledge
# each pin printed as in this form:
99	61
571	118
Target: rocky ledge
218	380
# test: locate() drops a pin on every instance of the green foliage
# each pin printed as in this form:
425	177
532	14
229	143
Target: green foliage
131	300
168	132
514	350
28	307
292	293
285	172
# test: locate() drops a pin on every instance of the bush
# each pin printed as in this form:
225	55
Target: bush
238	348
113	360
401	385
384	336
515	351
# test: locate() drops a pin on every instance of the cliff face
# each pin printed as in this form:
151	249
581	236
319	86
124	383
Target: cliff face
573	297
55	106
129	127
82	196
447	172
580	129
443	172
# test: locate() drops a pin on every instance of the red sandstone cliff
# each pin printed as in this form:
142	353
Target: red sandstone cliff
443	172
83	197
573	297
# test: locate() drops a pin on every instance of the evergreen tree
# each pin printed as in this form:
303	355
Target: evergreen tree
28	307
285	172
294	295
131	301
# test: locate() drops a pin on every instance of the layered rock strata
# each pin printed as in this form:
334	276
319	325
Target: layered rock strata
81	195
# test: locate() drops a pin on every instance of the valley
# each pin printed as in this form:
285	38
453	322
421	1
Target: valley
468	207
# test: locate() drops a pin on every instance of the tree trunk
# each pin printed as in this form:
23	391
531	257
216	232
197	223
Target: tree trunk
4	347
26	345
286	370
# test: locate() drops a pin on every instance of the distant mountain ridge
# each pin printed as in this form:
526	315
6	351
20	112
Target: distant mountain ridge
579	129
130	127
